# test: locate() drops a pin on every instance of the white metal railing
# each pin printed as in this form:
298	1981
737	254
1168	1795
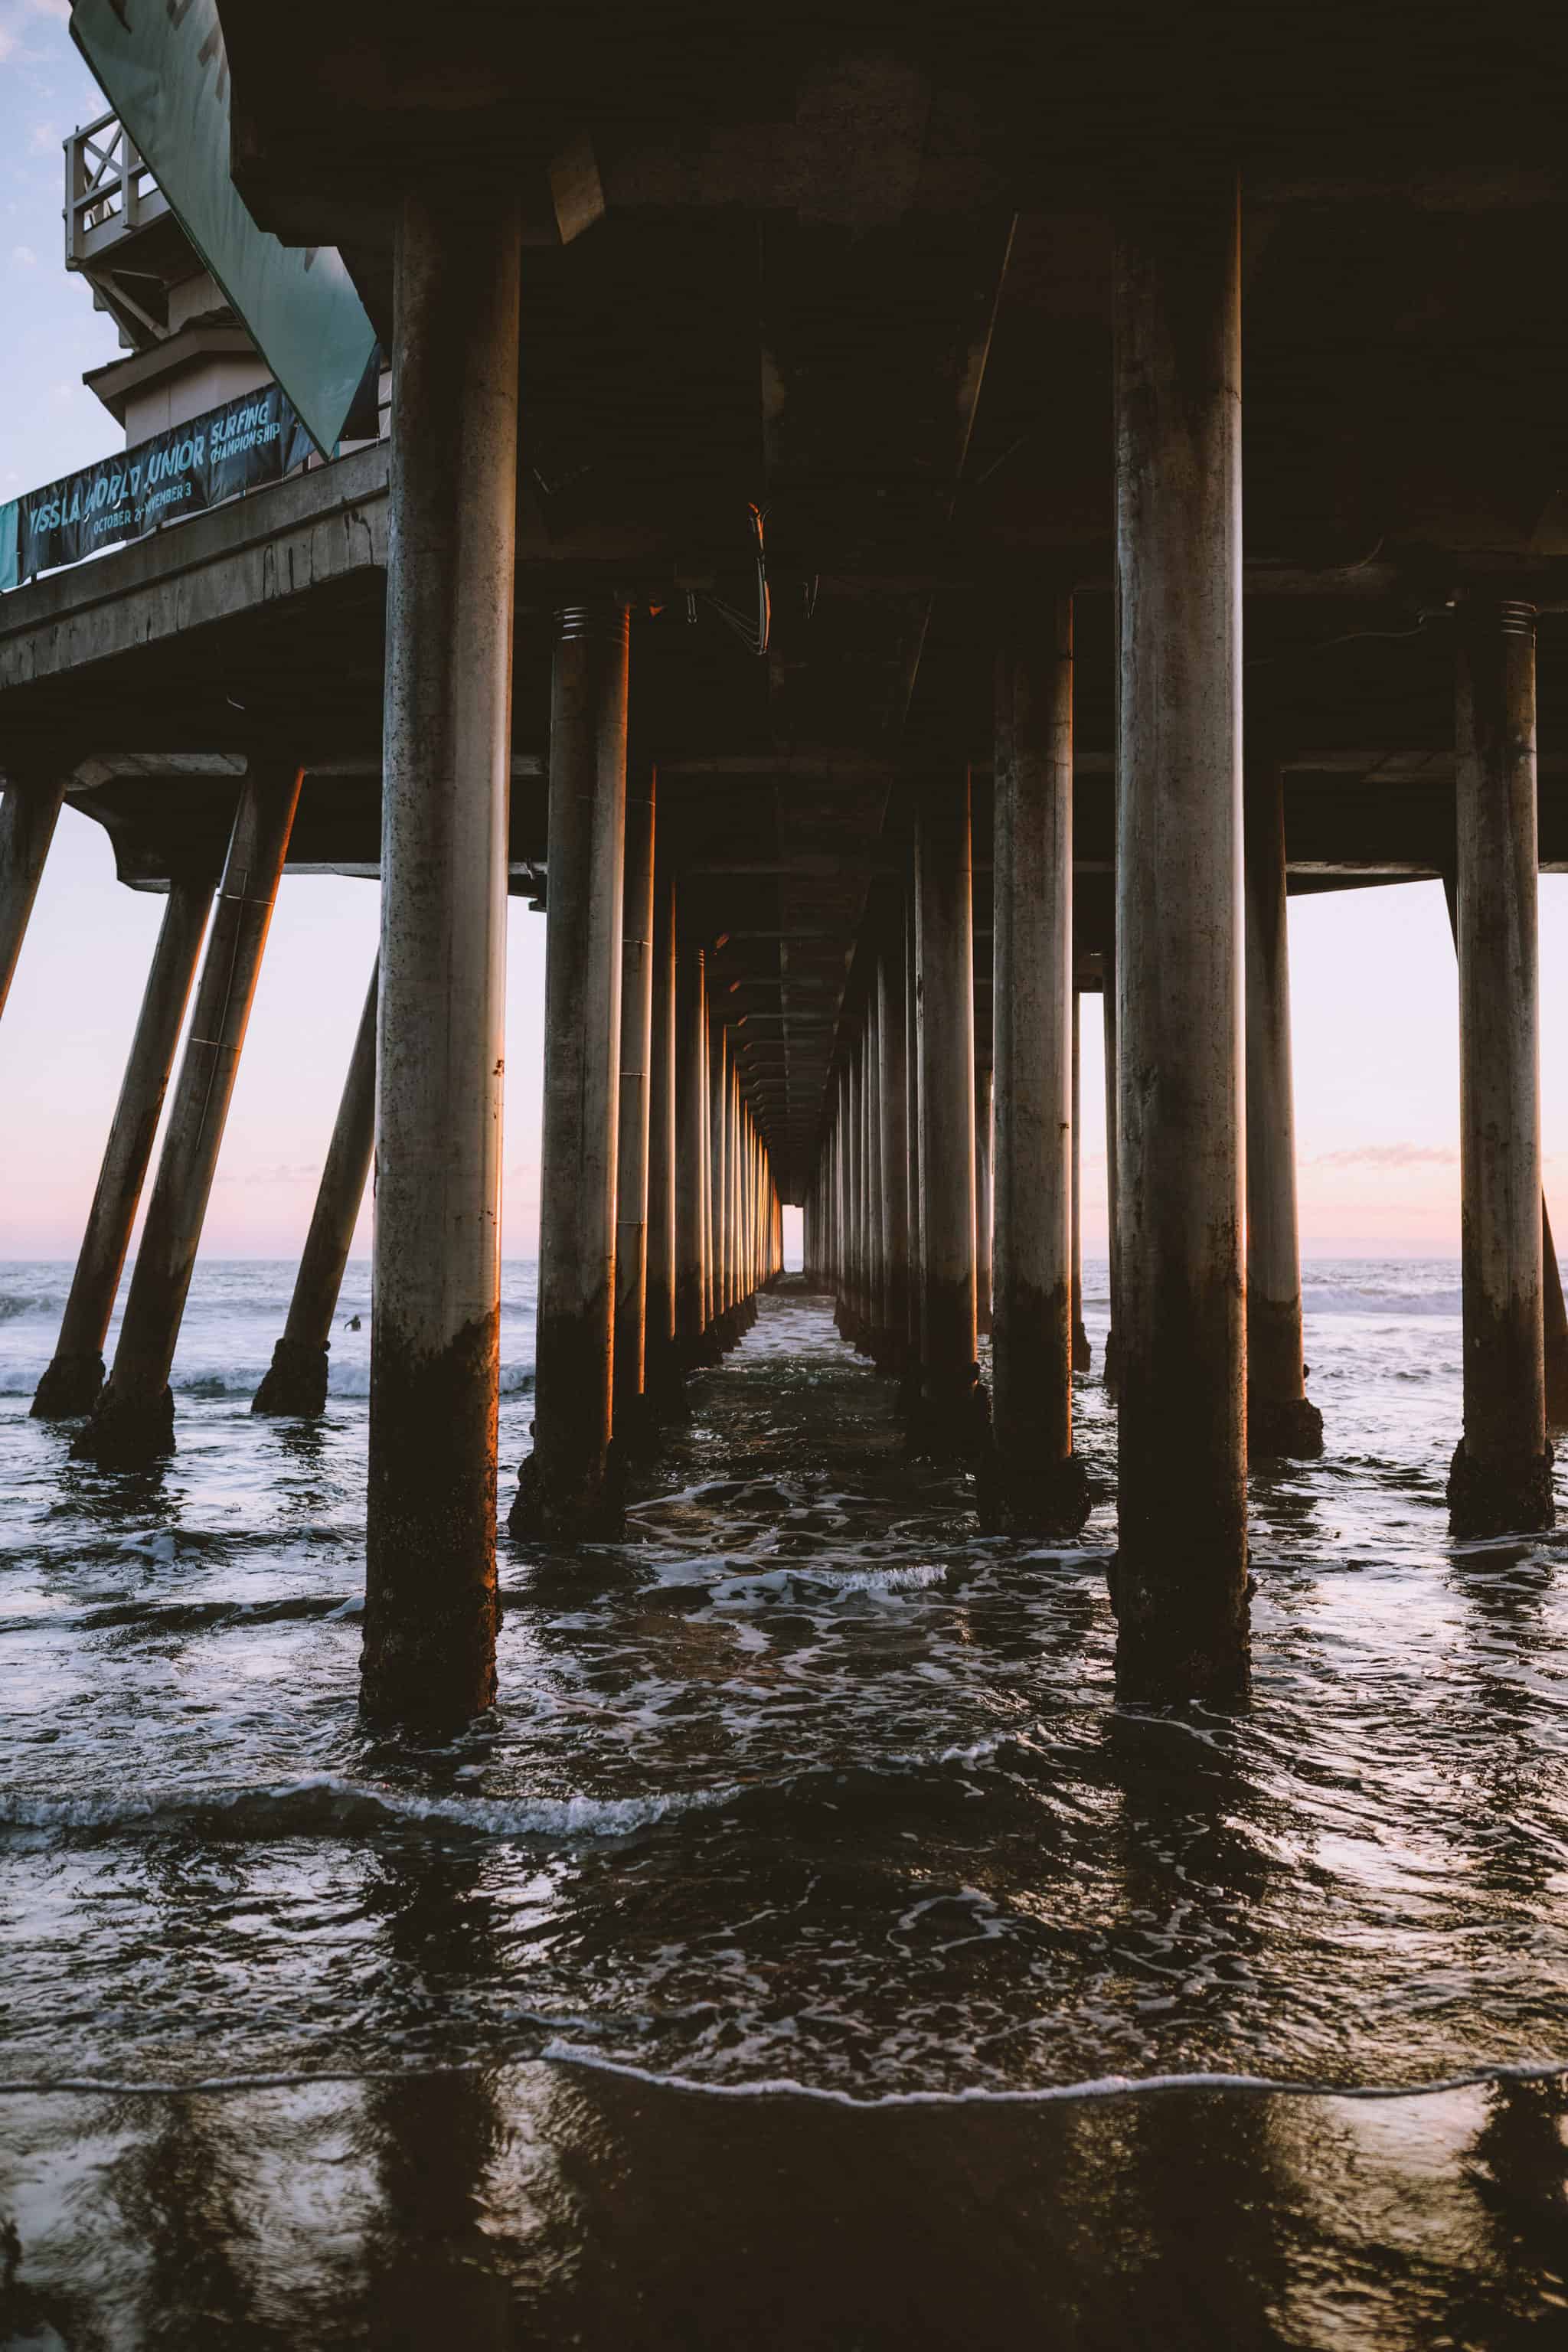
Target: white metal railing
110	189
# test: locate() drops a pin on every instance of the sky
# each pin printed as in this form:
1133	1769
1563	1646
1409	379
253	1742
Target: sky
1373	980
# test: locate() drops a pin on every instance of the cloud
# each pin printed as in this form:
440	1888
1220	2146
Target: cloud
1390	1155
23	257
43	139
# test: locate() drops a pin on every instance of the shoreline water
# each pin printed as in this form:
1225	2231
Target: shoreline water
806	1785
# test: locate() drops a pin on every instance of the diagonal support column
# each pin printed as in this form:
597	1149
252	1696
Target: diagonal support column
71	1384
132	1424
29	811
296	1380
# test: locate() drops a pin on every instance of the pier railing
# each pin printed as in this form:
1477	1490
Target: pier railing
110	192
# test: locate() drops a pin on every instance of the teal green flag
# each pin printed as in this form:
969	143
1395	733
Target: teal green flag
164	71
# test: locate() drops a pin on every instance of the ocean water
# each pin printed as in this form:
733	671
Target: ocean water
804	1795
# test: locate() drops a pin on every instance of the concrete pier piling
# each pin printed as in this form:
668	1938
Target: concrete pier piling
71	1383
1082	1356
876	1190
568	1486
132	1423
984	1216
1034	1484
634	1127
952	1408
296	1380
1112	1156
659	1370
894	1114
1501	1480
690	1160
430	1604
1179	1578
909	1390
1280	1418
29	811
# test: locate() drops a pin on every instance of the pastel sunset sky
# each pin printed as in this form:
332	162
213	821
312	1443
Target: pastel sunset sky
1372	971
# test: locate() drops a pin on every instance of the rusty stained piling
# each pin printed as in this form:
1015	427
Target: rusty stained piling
634	1126
1280	1418
29	812
1032	1482
430	1581
132	1423
1179	1578
1501	1480
568	1486
296	1380
953	1412
71	1383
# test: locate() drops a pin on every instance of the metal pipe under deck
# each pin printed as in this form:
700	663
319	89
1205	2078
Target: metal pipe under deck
132	1424
430	1588
1280	1418
1501	1480
71	1383
296	1380
1179	1575
567	1487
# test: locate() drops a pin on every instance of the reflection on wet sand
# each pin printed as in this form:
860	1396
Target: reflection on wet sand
545	2204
